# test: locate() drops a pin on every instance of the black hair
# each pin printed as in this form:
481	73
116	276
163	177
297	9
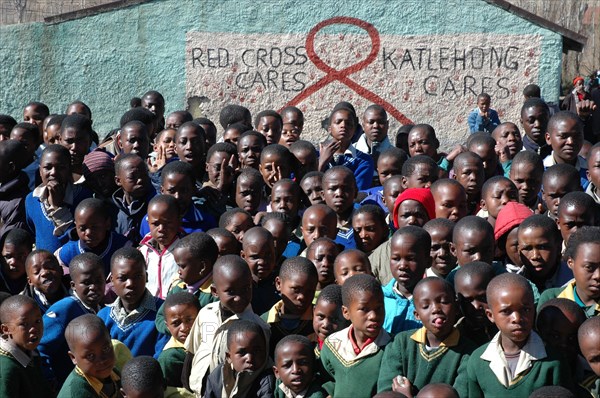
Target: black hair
135	123
214	232
43	108
562	305
142	374
254	133
422	237
125	157
282	217
312	174
329	212
292	109
295	187
58	149
80	327
231	263
226	217
241	127
84	260
490	182
138	113
580	237
529	157
18	237
204	120
13	303
476	269
484	96
375	210
135	102
532	91
320	240
552	392
331	294
182	298
535	103
410	166
95	205
340	169
240	326
30	128
473	223
466	156
447	285
362	255
7	121
36	252
480	138
127	253
302	145
396	153
168	200
154	93
257	232
397	177
87	110
580	200
180	168
505	282
200	245
187	117
357	284
56	119
231	114
564	171
590	327
226	147
429	130
78	122
298	266
298	339
253	175
13	151
439	223
267	113
544	222
564	116
278	150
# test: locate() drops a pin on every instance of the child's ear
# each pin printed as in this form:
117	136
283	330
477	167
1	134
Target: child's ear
346	312
570	262
404	182
4	330
118	181
276	372
547	136
72	284
452	249
416	314
73	359
213	291
482	204
227	357
242	254
278	283
490	315
118	140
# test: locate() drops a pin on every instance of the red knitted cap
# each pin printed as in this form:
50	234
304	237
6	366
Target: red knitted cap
511	215
421	195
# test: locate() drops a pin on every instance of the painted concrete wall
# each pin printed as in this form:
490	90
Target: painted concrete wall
106	59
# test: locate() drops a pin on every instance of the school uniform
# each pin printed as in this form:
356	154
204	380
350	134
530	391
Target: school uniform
264	294
359	162
345	234
160	265
282	326
10	286
224	382
40	298
580	165
80	385
354	370
313	390
489	373
477	123
130	215
408	355
171	362
570	293
20	373
194	220
593	192
399	310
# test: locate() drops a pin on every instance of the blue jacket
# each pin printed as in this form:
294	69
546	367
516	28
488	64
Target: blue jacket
399	311
360	163
73	248
477	123
194	220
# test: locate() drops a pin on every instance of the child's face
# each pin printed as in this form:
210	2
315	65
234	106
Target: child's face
283	200
435	307
189	145
77	142
472	246
323	257
513	312
315	224
164	223
535	123
342	126
24	137
307	160
313	188
527	180
249	149
391	191
25	328
133	178
422	177
33	114
191	269
408	260
327	319
294	366
350	264
512	247
442	260
247	194
89	285
239	224
270	127
259	253
92	228
490	160
508	136
586	270
554	189
368	233
470	291
179	319
51	134
366	313
278	229
93	353
247	352
566	140
54	167
44	274
134	139
412	212
181	187
227	245
498	196
13	264
289	134
214	165
234	291
297	292
589	345
421	143
470	174
339	191
593	162
483	104
103	182
166	143
450	202
539	253
375	124
558	329
174	121
129	280
570	218
293	118
388	166
232	135
273	167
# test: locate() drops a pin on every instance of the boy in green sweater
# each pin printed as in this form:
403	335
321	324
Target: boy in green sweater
589	344
352	356
20	368
435	353
515	363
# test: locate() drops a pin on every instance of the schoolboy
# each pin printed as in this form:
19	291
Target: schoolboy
87	286
506	234
7	123
593	172
295	369
435	353
269	124
225	240
181	310
13	186
285	198
155	103
142	377
296	283
421	140
233	132
535	115
526	172
294	116
389	164
249	147
210	131
312	186
231	113
495	194
163	147
374	139
468	171
28	135
306	156
44	276
483	118
558	180
419	171
157	246
175	119
35	113
189	145
289	135
442	260
237	221
473	240
327	315
99	174
508	144
130	319
318	221
409	258
52	130
323	252
392	188
75	135
206	343
22	328
278	224
16	246
276	162
221	162
414	206
250	191
352	356
484	145
134	138
370	228
589	341
339	191
516	359
348	263
575	210
245	371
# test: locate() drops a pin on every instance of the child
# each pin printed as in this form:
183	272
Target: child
589	341
420	171
352	356
484	145
22	329
409	258
339	189
13	186
575	210
516	359
468	171
250	191
93	227
235	114
75	135
389	164
370	228
442	261
483	118
205	344
181	310
157	246
526	172
495	194
415	206
249	147
421	140
506	235
289	135
327	315
296	283
312	186
233	133
91	351
375	125
392	188
278	224
142	377
163	149
237	221
44	276
189	145
245	372
99	174
130	319
508	144
435	353
295	369
472	240
221	162
285	198
318	221
293	116
269	124
323	252
558	180
276	162
35	113
306	156
87	284
28	135
134	138
174	120
6	125
210	131
534	119
16	246
225	240
348	263
593	172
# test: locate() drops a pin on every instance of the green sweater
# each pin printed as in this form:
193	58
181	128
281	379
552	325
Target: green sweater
171	362
77	386
22	382
314	391
406	355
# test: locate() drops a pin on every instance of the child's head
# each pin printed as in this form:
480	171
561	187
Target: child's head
177	180
259	252
593	164
415	206
327	312
370	228
484	145
409	256
75	135
128	275
90	346
511	309
246	346
232	283
7	123
565	136
28	135
312	187
237	221
269	124
507	135
134	138
235	114
289	135
419	171
195	255
164	219
558	180
276	162
279	225
220	162
44	273
450	199
210	131
297	283
539	247
294	116
468	170
496	193
583	258
226	242
249	148
131	174
165	143
435	306
323	252
392	188
422	141
471	282
348	263
526	172
362	299
589	342
52	130
249	188
142	377
87	278
306	156
12	155
295	362
342	125
154	102
506	231
143	115
35	113
318	221
285	197
189	145
575	210
175	119
21	322
99	173
483	102
389	163
55	165
437	390
234	131
181	310
16	246
557	323
375	123
473	240
92	223
442	259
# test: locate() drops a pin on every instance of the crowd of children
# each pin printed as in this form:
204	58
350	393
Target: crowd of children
171	260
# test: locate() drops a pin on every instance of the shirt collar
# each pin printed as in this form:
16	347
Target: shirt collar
97	384
355	346
147	304
397	291
18	354
288	393
420	336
